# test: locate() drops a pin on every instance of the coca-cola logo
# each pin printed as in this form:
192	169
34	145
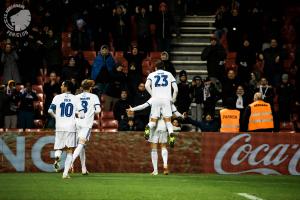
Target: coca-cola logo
246	155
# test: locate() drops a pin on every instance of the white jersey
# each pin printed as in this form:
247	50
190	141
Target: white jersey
65	106
161	84
90	104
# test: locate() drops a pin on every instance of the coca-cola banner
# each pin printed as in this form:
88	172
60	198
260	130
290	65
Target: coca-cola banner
259	153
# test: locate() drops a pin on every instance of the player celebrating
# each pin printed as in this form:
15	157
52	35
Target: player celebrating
158	136
91	106
159	84
64	108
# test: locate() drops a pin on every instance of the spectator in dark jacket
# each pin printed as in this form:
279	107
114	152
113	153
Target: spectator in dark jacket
26	109
215	56
196	93
80	37
229	86
70	70
102	69
245	60
9	60
235	30
121	105
84	67
210	97
117	83
183	100
241	99
143	30
10	114
168	65
207	125
3	103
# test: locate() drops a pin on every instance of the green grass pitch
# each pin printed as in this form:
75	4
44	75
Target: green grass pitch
127	186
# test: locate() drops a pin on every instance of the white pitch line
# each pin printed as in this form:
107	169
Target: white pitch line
249	196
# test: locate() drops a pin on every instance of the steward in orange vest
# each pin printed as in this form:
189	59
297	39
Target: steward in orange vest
258	115
230	118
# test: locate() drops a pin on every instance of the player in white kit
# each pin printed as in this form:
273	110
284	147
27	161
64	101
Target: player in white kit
91	106
159	84
65	108
158	136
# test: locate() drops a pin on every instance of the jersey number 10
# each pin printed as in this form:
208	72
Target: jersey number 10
66	109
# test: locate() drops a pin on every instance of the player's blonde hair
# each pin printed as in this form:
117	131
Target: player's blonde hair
87	84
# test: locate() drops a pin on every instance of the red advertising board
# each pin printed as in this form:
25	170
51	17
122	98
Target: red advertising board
259	153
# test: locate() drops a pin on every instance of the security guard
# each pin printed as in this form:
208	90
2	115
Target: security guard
258	116
230	118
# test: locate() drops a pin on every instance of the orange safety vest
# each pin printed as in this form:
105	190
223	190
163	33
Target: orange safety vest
230	120
261	116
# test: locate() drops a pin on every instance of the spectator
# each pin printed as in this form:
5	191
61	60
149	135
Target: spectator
121	106
210	97
10	114
70	70
285	96
102	68
241	99
53	56
116	84
234	34
253	84
84	68
220	21
120	28
26	109
135	59
51	89
229	86
266	90
215	56
3	104
245	60
183	100
141	97
167	64
9	59
196	93
258	116
143	30
80	37
163	26
176	125
273	62
207	125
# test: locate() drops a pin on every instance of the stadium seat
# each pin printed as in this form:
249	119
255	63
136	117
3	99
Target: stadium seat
37	88
107	115
147	67
96	124
89	56
155	55
286	127
109	125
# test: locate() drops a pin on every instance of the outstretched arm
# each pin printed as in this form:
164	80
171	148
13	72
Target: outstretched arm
148	86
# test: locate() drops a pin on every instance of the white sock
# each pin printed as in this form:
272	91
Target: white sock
164	155
154	158
152	125
68	163
77	151
57	154
169	127
82	160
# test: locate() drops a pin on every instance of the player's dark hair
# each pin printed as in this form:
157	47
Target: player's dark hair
69	85
160	65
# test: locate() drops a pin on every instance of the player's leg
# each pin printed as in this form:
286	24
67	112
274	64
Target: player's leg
57	156
150	127
154	158
164	155
68	162
82	156
155	114
166	111
58	146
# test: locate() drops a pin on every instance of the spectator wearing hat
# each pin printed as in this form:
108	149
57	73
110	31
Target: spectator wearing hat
285	93
183	100
215	56
102	69
196	94
167	64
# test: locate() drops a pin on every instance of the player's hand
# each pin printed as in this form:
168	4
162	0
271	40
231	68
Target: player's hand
129	110
185	115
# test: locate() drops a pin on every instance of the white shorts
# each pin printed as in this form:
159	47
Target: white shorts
64	139
161	107
160	137
84	133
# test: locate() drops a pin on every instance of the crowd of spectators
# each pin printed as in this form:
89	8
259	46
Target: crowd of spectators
105	26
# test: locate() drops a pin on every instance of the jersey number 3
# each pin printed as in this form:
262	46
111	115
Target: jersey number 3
161	80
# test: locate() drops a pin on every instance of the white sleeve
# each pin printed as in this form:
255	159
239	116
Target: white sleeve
141	107
148	86
97	105
52	108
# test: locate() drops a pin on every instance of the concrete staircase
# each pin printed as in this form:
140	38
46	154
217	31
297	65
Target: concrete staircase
186	50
